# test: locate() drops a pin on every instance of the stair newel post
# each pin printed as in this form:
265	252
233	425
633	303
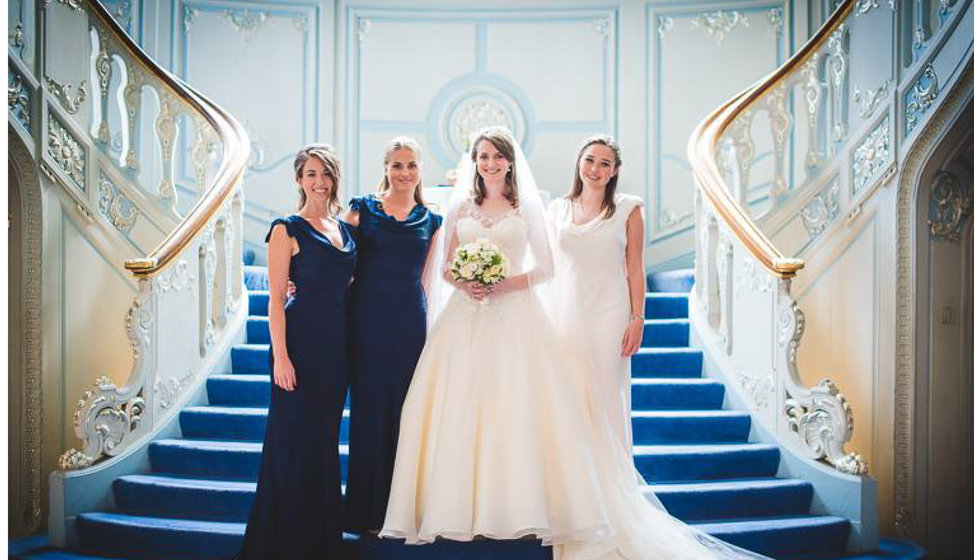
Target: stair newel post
819	419
109	418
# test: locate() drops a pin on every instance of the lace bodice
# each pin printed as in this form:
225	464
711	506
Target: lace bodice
508	232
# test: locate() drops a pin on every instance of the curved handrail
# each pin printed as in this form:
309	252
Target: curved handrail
703	143
235	152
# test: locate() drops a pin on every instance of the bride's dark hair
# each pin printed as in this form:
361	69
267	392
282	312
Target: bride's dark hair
502	140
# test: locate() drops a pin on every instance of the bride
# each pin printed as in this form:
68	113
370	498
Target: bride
498	436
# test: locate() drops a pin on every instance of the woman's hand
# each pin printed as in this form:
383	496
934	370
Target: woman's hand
632	337
475	290
290	289
284	374
507	285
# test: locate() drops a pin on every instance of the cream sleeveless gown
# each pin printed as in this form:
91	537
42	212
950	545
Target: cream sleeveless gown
593	303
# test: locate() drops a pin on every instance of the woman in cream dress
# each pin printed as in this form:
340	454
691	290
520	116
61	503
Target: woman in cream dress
599	277
498	435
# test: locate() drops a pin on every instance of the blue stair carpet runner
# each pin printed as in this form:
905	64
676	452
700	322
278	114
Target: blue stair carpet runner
194	502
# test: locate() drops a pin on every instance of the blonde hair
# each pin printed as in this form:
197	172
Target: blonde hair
401	143
502	140
608	198
327	155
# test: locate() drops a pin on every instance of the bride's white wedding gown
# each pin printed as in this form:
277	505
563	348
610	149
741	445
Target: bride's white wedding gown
498	438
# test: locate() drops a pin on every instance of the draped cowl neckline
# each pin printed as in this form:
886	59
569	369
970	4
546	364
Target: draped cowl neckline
416	217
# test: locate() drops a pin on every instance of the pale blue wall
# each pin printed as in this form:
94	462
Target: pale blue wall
357	74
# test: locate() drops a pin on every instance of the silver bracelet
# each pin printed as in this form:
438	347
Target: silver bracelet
636	316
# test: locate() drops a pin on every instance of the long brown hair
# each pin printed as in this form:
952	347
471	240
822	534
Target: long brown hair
502	140
401	143
608	199
327	155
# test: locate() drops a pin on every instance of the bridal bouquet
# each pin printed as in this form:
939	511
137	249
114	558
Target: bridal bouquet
480	261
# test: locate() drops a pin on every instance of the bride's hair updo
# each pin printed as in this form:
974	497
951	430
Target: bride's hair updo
608	199
501	139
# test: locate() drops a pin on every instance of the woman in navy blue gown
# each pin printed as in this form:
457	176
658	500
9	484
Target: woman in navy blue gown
387	325
297	512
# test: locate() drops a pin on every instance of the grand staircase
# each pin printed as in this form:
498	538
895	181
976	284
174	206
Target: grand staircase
194	502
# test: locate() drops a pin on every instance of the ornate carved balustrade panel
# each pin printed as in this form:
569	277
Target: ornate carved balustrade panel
114	134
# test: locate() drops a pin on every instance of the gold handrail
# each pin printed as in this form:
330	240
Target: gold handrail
234	141
703	143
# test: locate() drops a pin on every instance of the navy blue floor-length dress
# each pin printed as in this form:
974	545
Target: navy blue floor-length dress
297	512
387	322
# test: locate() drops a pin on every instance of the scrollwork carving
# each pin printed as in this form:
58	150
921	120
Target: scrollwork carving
820	416
664	24
73	460
871	157
950	206
246	22
190	16
864	6
868	100
363	26
670	218
824	424
18	98
301	23
17	39
603	26
751	276
103	419
775	17
176	278
62	92
760	389
168	389
119	210
718	24
123	14
921	97
822	210
75	5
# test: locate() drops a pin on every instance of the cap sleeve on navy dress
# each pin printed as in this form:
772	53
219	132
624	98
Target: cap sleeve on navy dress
356	204
436	222
290	227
